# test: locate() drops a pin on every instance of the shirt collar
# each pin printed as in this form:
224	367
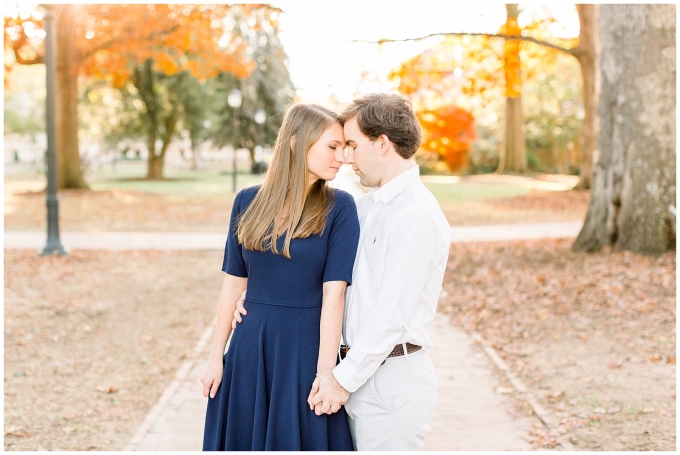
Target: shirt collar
395	186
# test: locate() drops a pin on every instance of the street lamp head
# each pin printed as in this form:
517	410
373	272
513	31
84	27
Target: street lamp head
234	98
260	116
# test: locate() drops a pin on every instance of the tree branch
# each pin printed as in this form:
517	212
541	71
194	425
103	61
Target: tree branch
123	39
489	35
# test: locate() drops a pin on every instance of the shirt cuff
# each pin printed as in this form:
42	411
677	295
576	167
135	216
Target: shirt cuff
347	377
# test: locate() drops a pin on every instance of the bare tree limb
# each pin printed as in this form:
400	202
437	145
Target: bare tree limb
572	51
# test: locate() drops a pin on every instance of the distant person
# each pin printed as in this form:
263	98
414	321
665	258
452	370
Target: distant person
397	278
292	242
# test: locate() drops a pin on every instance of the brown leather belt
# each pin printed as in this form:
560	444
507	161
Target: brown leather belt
398	350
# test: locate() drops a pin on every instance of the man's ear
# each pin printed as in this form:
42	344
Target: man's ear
384	143
292	143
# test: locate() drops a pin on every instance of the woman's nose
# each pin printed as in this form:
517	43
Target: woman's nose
340	157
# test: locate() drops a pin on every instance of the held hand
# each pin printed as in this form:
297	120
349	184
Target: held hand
240	310
327	395
212	377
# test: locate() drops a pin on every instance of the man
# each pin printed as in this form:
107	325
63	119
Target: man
386	381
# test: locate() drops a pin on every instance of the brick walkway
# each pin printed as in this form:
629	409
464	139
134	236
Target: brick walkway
470	415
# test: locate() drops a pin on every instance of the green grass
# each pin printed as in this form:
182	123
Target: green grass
178	182
131	177
183	181
451	193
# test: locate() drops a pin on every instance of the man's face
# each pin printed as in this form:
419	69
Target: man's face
362	154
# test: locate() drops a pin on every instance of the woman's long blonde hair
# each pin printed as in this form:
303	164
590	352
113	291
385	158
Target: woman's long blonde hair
287	181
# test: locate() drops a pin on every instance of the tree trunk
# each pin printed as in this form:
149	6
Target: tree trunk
155	167
634	174
586	56
156	162
195	154
68	162
515	151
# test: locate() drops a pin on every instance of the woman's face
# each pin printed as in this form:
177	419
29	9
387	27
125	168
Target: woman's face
326	155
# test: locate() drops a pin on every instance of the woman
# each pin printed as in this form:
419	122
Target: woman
292	242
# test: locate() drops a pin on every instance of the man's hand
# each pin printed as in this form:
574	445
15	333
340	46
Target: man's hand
327	395
240	310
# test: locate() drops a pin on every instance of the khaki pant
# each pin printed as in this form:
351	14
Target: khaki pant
393	409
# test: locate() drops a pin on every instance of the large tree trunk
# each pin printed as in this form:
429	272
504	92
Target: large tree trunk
68	162
634	174
515	159
586	55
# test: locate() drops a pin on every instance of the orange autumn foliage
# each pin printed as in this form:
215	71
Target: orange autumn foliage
511	68
469	71
448	131
114	39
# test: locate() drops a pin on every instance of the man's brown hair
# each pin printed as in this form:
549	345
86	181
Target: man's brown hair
388	114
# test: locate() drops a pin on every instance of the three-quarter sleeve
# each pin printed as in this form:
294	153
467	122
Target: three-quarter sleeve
343	240
233	262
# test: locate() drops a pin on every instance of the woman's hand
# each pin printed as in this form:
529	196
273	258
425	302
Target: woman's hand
240	310
212	377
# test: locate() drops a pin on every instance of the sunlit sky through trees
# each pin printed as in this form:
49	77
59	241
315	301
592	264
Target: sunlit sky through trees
326	64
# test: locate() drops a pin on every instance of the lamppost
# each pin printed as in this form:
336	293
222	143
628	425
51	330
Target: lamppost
53	245
234	101
260	117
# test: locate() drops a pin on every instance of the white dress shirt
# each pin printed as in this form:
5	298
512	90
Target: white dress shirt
397	277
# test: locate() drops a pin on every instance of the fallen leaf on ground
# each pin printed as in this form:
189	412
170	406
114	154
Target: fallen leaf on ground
615	363
107	389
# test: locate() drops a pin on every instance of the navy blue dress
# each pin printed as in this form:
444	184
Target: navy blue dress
270	365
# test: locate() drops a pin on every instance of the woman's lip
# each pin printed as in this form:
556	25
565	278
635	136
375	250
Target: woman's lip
336	169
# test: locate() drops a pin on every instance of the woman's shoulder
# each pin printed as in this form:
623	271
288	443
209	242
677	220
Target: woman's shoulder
246	195
343	200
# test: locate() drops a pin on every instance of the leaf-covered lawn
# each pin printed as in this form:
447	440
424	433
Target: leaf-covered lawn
592	335
92	340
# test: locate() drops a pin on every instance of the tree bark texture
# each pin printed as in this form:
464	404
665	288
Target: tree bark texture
515	150
634	170
586	55
70	174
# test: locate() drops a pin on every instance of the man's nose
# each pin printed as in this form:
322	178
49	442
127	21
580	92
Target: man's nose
349	158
